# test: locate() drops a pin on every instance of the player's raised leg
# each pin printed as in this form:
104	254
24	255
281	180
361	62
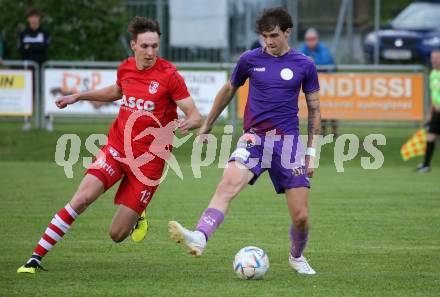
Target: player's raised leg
123	222
133	198
297	202
235	178
88	191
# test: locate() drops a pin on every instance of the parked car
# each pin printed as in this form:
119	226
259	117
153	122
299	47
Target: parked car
410	37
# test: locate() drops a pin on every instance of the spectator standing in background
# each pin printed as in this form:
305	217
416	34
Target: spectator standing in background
33	45
433	129
316	49
34	41
321	55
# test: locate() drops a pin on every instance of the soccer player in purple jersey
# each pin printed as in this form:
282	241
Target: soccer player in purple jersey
271	135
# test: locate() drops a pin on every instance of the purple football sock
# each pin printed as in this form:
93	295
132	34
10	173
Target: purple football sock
209	221
298	241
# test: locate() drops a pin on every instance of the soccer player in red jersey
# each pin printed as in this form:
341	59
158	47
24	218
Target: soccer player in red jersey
139	139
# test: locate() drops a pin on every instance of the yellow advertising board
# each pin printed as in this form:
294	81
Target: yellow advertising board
16	98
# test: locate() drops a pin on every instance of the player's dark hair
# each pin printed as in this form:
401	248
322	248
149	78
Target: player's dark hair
272	17
141	25
33	12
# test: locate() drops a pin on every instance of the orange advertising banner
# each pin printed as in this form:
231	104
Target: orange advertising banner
363	96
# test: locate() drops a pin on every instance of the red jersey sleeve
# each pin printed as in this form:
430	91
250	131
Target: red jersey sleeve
177	87
119	75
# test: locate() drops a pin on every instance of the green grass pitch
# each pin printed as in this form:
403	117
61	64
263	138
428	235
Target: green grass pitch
374	232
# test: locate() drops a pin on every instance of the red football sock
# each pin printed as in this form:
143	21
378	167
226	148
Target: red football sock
56	229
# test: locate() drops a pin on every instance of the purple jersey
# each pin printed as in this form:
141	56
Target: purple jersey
275	83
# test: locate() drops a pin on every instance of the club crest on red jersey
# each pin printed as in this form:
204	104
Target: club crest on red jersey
154	85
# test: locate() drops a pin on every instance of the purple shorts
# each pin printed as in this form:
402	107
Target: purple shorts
281	155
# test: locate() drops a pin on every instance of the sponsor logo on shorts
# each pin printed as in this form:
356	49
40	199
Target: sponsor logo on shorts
247	140
104	165
140	104
154	85
113	152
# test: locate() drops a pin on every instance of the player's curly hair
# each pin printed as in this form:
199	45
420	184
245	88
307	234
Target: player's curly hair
141	25
272	17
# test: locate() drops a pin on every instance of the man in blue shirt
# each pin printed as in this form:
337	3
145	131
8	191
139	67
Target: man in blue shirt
320	54
316	49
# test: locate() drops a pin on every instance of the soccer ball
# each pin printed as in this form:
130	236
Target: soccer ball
251	263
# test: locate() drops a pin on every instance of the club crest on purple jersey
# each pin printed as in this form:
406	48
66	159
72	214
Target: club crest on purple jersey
286	74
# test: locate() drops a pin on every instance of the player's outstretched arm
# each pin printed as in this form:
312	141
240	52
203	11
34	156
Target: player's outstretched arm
314	128
193	119
107	94
222	99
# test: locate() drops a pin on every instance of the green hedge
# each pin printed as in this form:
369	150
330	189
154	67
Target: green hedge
81	29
